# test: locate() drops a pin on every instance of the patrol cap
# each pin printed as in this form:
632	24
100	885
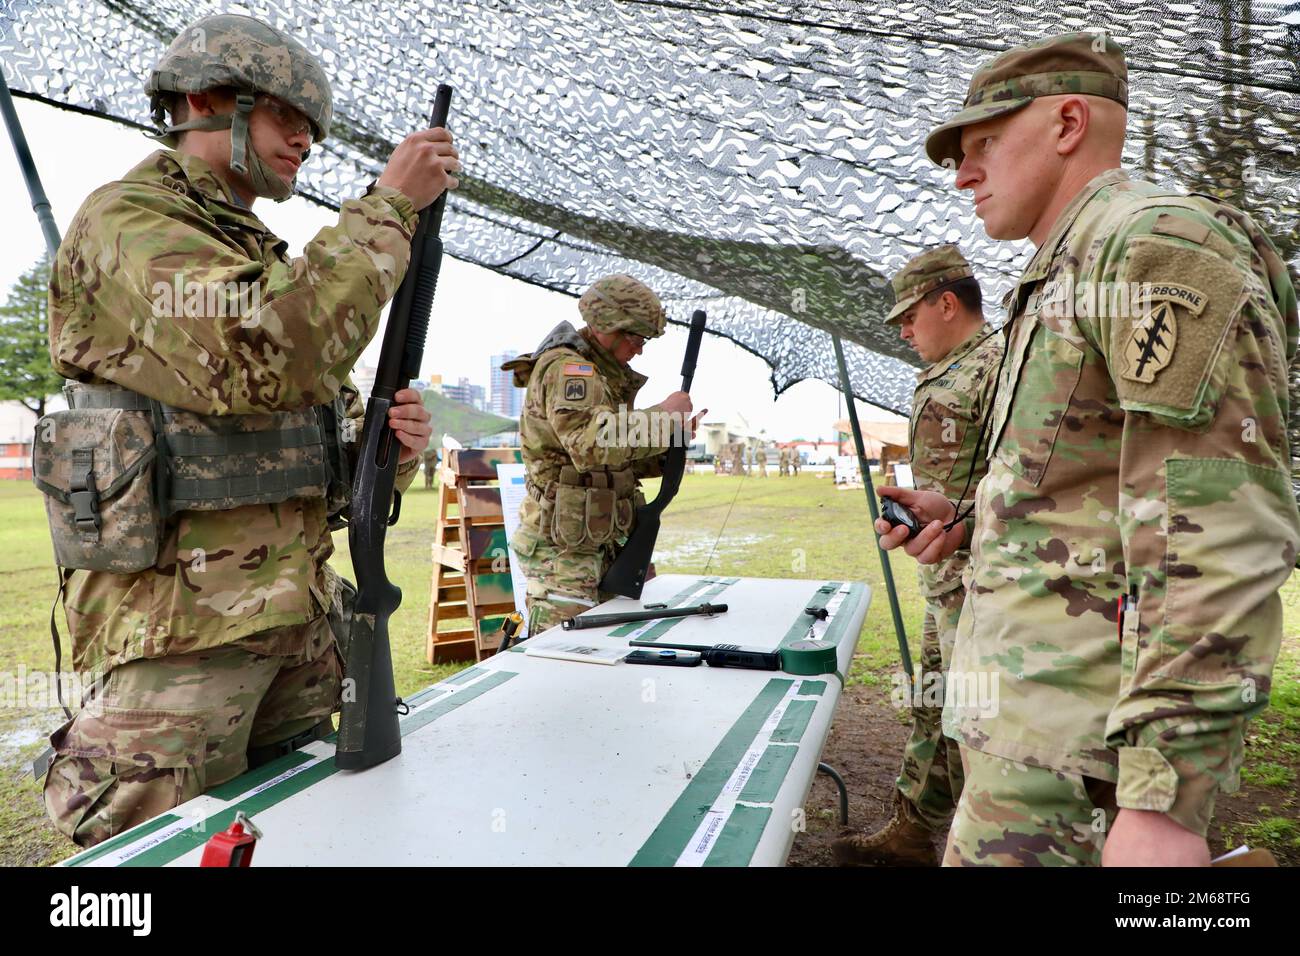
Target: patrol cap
620	303
1088	63
926	273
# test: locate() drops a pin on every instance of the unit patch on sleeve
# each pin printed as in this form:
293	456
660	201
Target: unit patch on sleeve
1151	344
1165	349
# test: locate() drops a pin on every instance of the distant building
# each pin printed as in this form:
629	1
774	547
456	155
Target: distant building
467	394
17	428
716	435
816	452
507	401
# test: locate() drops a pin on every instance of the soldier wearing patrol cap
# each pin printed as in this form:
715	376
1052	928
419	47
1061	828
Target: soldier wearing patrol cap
585	446
190	483
1128	542
938	308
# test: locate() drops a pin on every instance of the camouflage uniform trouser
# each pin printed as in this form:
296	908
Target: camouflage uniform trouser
562	582
1011	814
931	778
166	729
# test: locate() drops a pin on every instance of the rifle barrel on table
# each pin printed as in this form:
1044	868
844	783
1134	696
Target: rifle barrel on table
586	621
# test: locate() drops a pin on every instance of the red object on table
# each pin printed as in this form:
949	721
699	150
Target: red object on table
232	847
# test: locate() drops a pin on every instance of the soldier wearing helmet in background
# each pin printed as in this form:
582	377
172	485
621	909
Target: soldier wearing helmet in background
204	596
585	446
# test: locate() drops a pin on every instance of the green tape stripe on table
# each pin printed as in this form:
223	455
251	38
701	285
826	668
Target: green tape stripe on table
799	629
183	842
664	626
125	839
794	721
468	674
449	703
189	839
623	630
415	700
765	779
839	626
736	842
260	775
678	825
801	655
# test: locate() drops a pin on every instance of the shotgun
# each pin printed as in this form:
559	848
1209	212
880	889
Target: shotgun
626	575
369	732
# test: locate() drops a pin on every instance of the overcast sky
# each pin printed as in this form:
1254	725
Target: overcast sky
477	313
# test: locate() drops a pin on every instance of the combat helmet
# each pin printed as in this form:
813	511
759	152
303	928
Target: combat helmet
252	57
619	303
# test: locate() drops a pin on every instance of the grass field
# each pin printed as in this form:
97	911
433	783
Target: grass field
775	527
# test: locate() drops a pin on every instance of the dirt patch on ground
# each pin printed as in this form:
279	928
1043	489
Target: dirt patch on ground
866	746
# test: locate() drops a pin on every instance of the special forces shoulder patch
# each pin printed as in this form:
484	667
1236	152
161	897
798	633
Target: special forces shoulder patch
1182	301
1151	344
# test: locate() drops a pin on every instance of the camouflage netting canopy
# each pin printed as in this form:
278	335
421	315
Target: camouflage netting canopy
760	159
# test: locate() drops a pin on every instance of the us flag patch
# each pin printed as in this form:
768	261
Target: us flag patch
576	368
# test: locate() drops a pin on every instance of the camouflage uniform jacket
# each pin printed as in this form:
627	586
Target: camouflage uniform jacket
948	407
575	392
1141	448
221	575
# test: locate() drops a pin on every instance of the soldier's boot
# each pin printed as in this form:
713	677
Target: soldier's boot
904	841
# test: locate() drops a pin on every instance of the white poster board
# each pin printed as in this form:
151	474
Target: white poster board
513	493
846	469
903	475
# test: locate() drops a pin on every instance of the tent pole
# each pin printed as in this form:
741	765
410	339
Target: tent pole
899	630
40	204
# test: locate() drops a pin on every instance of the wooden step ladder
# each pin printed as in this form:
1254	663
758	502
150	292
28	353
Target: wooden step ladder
471	588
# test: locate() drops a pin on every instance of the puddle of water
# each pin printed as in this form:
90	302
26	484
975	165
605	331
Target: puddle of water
693	554
22	735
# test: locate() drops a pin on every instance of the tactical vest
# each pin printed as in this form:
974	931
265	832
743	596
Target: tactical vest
588	509
116	465
577	509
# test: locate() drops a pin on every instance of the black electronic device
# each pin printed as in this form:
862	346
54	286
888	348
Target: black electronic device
668	657
723	655
896	514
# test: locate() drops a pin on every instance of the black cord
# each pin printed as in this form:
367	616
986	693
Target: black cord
724	522
54	635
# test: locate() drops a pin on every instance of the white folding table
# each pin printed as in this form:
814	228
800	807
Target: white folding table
524	760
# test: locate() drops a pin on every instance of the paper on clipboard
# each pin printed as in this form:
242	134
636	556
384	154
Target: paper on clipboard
513	491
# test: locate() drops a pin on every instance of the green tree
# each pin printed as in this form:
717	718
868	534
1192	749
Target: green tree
25	370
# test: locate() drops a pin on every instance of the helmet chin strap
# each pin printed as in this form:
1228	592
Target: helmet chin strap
243	157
